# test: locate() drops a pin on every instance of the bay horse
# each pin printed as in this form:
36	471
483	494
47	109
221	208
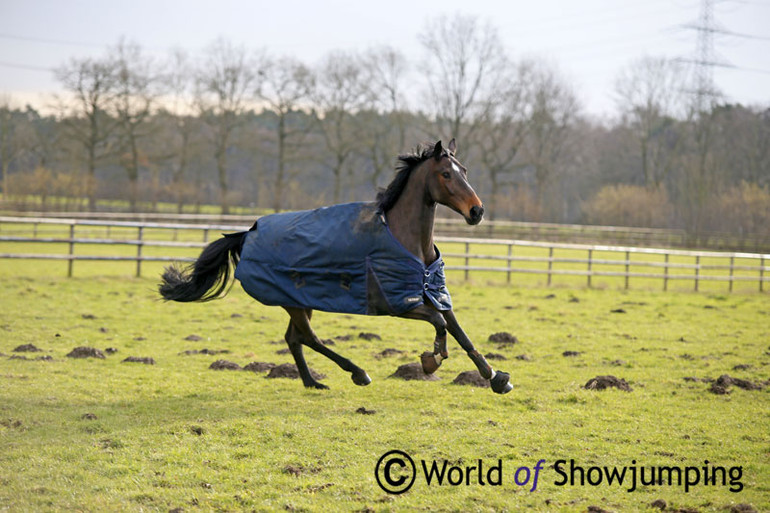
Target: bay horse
375	258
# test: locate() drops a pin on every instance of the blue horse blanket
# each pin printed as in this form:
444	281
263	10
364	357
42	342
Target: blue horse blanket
341	258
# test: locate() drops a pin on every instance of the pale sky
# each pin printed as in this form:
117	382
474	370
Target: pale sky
589	41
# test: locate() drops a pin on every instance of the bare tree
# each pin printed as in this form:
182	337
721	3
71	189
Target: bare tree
385	115
91	84
181	124
464	68
286	86
340	93
554	109
135	96
504	130
650	97
12	145
225	83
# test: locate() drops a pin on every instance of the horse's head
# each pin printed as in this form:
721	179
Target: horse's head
447	184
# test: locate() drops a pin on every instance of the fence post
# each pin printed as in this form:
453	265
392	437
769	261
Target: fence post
761	272
205	235
510	252
665	274
628	266
697	271
139	252
550	264
467	250
72	250
590	257
732	262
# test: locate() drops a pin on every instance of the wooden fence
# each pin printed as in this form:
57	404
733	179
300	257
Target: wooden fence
498	229
497	256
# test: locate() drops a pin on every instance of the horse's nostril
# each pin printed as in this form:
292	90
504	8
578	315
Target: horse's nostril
477	212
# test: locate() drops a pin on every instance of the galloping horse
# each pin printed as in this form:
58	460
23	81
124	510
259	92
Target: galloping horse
364	258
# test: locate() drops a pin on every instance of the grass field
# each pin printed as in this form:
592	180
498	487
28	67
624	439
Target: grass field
101	435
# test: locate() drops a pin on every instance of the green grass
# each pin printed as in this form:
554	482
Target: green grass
177	434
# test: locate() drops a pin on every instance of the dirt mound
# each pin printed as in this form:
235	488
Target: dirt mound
85	352
205	351
503	337
571	353
224	365
47	358
723	383
413	371
369	336
111	350
289	370
524	357
298	470
259	366
494	356
604	382
363	411
139	359
193	338
743	508
385	353
27	348
694	379
472	378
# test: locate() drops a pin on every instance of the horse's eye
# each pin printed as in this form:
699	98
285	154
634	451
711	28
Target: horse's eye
446	175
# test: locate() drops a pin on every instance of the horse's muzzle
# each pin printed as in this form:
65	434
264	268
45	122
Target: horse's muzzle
476	215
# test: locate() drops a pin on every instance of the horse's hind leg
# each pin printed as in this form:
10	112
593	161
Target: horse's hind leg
294	339
300	319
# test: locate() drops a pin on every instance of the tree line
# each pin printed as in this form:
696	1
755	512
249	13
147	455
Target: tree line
242	127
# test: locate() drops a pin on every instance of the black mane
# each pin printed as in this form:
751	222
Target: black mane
407	163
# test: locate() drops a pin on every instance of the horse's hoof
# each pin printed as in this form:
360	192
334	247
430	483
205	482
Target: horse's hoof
429	363
500	383
361	378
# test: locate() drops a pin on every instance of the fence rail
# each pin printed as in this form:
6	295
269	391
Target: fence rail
498	255
517	230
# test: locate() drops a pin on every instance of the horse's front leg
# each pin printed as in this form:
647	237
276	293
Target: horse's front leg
431	360
498	380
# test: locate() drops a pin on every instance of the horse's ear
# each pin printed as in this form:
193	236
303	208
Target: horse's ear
452	146
438	151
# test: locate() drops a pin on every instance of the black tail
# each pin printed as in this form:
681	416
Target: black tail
208	277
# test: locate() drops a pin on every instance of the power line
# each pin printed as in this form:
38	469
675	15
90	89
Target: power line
744	36
6	64
17	37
